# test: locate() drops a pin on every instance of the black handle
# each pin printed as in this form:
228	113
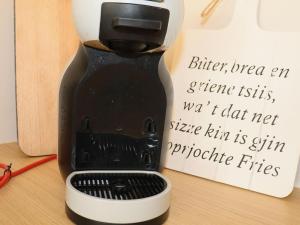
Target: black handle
154	25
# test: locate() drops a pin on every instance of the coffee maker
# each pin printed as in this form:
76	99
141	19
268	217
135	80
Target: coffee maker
114	107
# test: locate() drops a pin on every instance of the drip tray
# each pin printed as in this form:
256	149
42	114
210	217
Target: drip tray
117	197
119	186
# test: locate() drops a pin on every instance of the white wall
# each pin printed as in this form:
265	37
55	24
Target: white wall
8	130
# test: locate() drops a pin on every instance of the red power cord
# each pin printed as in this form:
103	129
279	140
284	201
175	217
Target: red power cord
8	174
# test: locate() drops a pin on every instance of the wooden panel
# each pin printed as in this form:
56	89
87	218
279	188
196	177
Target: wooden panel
45	42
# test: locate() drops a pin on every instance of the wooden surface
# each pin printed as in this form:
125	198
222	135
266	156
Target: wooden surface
37	197
45	42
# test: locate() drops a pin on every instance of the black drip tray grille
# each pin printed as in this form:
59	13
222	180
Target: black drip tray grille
118	186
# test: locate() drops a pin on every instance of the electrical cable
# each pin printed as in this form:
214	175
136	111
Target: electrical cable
8	173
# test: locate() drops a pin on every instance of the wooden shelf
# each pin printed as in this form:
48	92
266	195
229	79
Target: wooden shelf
37	197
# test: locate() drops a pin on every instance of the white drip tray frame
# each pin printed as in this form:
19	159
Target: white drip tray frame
113	210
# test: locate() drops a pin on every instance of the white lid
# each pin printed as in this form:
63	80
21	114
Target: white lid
87	15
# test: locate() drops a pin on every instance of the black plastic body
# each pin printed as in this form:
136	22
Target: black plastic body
112	112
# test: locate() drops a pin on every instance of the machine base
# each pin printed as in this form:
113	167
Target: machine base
79	220
117	197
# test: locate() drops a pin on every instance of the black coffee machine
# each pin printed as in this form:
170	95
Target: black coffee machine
115	101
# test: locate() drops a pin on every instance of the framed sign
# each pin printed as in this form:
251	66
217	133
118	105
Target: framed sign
236	112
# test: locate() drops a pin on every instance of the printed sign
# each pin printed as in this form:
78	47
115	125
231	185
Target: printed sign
236	114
